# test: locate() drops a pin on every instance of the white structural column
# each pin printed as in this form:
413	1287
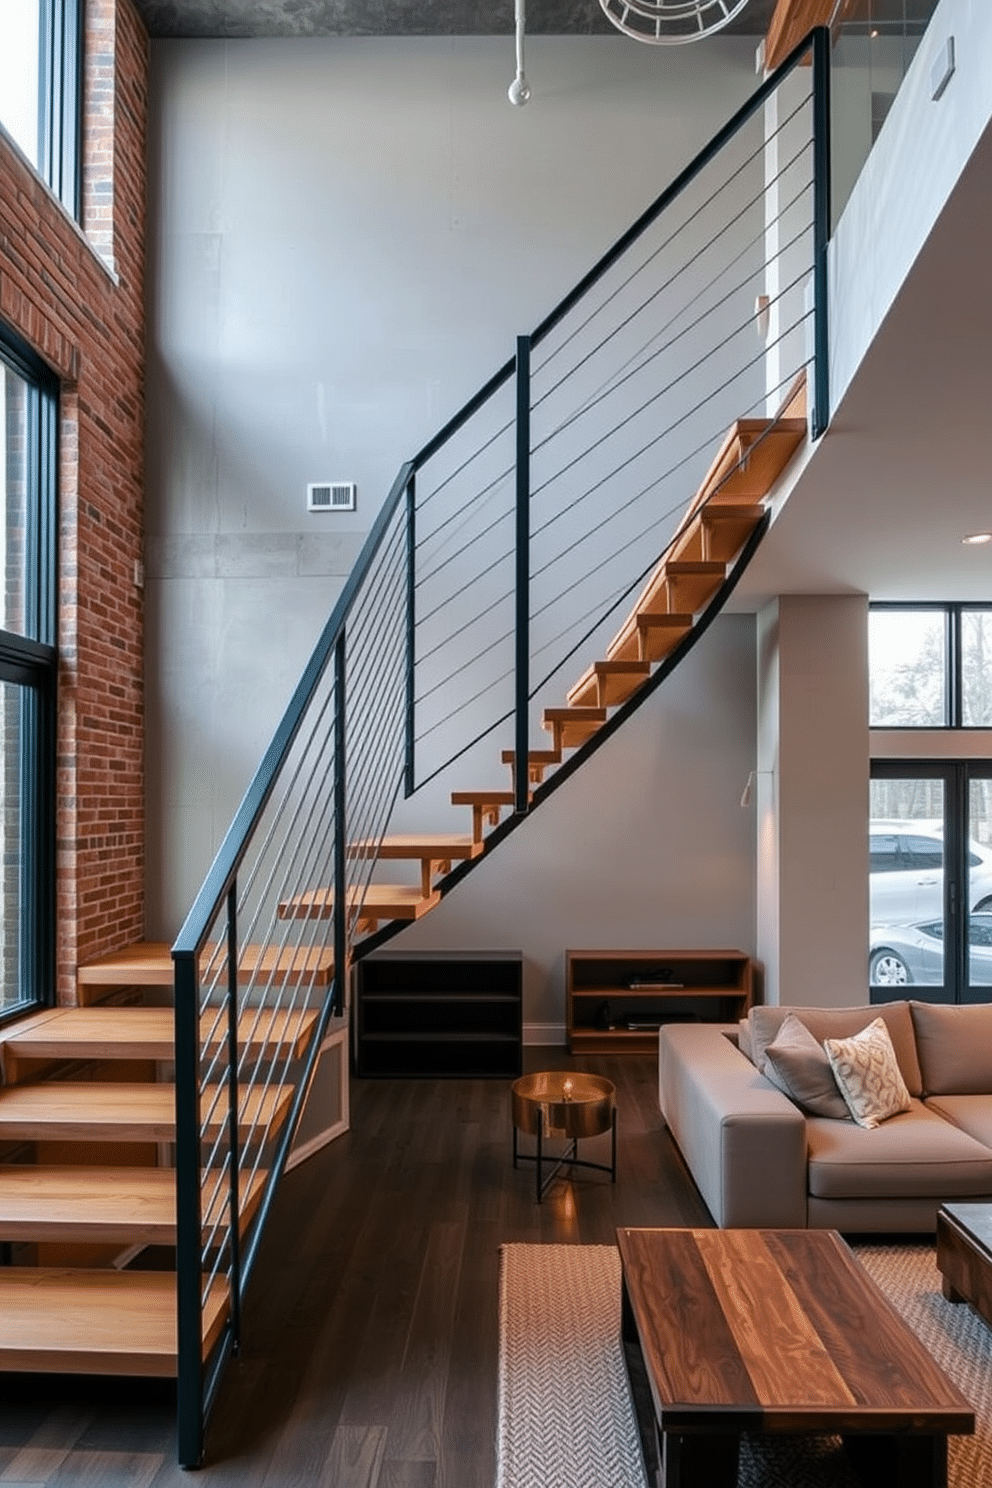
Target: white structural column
811	797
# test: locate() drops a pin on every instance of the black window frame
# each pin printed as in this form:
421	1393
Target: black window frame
952	611
30	660
60	100
956	774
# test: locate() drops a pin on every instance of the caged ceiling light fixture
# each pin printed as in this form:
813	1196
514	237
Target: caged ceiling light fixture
658	22
670	22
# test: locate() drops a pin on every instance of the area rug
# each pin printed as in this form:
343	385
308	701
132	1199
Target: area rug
565	1418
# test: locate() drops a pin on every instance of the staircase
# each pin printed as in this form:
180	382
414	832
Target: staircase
87	1108
143	1131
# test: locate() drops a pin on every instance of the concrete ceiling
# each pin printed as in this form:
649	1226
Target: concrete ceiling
237	18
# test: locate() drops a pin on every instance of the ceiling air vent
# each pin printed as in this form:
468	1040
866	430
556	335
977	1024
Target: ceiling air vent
331	496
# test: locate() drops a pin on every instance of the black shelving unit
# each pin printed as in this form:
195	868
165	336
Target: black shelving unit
439	1014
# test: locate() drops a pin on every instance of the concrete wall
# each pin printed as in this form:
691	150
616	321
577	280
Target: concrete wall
347	237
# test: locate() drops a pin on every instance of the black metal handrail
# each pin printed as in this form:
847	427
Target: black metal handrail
254	956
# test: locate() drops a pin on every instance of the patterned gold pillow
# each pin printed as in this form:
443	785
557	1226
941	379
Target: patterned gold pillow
867	1074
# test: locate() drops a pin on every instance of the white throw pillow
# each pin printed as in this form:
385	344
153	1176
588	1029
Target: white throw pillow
867	1074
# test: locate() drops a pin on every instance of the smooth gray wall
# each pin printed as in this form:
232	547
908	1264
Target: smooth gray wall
346	237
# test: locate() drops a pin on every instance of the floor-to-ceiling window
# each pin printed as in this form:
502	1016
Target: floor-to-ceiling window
930	848
28	425
40	71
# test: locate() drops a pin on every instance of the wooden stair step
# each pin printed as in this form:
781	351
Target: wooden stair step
538	760
487	806
149	964
650	637
717	534
754	460
77	1321
606	684
125	1206
378	902
572	726
149	1032
111	1112
436	853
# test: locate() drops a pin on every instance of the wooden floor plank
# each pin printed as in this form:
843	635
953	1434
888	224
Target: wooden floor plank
419	1153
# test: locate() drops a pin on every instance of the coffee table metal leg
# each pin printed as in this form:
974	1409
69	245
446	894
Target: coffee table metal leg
699	1461
902	1461
540	1129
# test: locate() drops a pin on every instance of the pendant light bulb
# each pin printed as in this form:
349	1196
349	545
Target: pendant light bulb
518	91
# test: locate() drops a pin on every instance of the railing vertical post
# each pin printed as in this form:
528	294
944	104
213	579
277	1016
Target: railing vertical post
821	226
409	766
340	828
521	773
189	1281
233	1113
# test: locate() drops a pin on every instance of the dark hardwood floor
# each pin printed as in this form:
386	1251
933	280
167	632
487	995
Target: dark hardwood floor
369	1358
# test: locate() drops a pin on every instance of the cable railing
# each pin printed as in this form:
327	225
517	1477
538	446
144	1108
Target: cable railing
507	551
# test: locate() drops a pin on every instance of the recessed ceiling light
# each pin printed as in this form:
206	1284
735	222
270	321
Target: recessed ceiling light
977	537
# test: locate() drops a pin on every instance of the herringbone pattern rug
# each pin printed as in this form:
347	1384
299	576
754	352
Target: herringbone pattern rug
565	1417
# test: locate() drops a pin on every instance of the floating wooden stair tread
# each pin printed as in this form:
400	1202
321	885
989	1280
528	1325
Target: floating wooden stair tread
378	902
436	853
78	1321
116	1205
572	726
647	636
487	806
607	683
149	1032
538	760
149	964
110	1112
716	534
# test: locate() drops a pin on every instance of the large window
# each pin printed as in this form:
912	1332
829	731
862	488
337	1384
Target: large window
930	666
930	877
40	88
27	677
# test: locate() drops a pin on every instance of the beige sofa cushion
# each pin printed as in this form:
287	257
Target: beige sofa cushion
970	1113
914	1155
955	1047
824	1023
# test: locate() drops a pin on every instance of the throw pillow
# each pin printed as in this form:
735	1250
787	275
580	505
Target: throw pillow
867	1073
798	1065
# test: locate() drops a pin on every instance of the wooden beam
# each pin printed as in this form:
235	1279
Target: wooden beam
791	21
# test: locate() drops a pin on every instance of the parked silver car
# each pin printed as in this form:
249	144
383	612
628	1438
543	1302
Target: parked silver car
906	872
901	954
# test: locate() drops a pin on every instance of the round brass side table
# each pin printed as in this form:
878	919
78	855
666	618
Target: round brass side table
565	1104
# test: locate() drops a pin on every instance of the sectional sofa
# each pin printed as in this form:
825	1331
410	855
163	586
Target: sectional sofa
760	1160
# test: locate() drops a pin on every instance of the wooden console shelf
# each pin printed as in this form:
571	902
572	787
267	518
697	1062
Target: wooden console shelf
438	1014
617	999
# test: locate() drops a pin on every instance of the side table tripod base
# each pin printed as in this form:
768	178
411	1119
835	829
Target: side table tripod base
564	1105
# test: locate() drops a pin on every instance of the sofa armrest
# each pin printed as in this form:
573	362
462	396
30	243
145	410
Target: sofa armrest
744	1141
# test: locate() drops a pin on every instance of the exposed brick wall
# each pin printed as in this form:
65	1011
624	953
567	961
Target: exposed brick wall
87	323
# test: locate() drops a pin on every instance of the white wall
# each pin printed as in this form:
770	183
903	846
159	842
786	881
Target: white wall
812	793
906	181
346	237
646	847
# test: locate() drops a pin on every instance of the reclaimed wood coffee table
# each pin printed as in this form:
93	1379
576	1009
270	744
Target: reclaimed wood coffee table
777	1331
964	1255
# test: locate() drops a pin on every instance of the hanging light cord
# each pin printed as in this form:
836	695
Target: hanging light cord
519	90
